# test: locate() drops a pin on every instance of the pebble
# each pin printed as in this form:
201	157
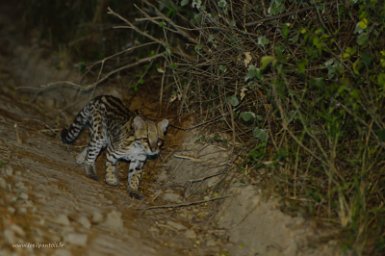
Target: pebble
76	239
211	243
63	220
23	196
190	234
22	210
11	210
8	170
172	197
18	230
3	183
20	185
175	225
83	220
114	220
97	217
62	252
9	236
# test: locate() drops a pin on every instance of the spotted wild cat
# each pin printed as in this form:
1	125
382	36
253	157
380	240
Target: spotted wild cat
125	135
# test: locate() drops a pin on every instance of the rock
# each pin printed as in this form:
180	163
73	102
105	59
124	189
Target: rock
22	210
175	225
8	170
76	239
62	252
3	183
11	210
18	230
114	220
211	243
190	234
9	236
20	185
63	220
97	217
83	220
172	197
23	196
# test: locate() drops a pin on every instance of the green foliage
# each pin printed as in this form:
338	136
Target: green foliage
315	79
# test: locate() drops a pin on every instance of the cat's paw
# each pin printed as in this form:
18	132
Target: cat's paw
111	179
135	194
90	172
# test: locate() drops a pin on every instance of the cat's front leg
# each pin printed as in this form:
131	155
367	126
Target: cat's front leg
111	177
134	177
91	171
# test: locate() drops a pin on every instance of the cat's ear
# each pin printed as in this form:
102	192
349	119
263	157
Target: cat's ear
162	125
138	123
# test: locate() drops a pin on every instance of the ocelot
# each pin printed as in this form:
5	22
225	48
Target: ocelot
126	136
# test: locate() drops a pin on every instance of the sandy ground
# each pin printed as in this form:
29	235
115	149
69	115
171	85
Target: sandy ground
195	201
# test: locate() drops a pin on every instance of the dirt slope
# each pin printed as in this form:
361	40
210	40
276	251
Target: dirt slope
195	202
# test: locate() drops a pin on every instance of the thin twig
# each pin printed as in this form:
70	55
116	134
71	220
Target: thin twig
205	177
86	88
185	204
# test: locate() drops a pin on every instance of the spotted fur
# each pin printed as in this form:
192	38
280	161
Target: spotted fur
124	135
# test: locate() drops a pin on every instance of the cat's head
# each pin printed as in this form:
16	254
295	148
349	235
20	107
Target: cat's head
149	134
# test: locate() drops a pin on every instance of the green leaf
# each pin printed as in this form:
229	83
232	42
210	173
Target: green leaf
184	2
266	61
252	73
285	30
348	52
381	80
381	134
362	39
247	116
263	41
233	100
261	134
276	7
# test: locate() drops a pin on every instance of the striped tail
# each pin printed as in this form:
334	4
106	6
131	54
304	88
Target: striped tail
69	135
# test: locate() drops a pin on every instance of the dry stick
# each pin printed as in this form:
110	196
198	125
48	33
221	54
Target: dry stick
206	177
185	204
132	26
89	87
178	28
130	49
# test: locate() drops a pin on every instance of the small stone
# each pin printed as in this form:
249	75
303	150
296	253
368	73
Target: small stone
18	230
114	220
62	252
9	236
18	173
171	196
97	217
83	220
11	210
8	170
175	226
22	210
3	183
76	239
211	243
190	234
20	185
23	196
63	220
